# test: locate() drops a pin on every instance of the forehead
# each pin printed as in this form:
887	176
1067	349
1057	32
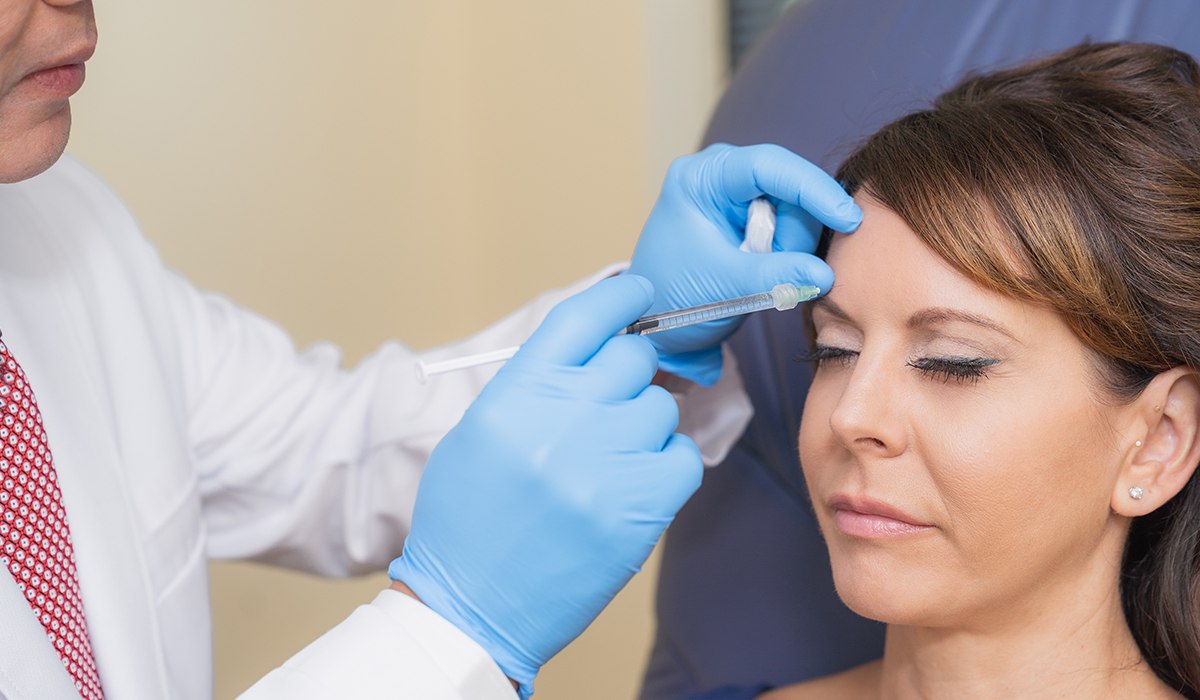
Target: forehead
885	270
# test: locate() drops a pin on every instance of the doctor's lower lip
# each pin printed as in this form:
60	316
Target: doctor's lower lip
872	526
60	81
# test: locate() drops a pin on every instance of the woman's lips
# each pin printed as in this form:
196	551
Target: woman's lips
59	81
867	518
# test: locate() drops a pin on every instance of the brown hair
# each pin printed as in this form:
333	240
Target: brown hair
1074	182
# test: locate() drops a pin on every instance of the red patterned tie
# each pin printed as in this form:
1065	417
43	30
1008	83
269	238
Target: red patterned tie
36	544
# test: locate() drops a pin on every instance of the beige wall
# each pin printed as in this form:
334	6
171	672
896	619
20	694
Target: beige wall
337	166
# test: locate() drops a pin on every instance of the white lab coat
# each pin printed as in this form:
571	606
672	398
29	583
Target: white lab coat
184	427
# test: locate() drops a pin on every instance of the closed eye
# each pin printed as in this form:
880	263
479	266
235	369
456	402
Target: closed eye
822	355
965	370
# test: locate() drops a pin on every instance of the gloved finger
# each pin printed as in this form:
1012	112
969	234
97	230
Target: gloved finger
765	271
576	328
622	368
647	421
796	230
681	468
658	488
700	366
752	171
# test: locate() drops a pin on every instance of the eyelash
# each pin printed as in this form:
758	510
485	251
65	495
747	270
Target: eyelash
964	370
824	354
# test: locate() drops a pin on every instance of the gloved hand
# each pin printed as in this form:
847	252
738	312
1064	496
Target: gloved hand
689	246
553	489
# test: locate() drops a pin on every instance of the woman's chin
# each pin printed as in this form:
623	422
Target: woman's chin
891	593
874	603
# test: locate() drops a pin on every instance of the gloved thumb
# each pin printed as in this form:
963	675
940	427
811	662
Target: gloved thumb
577	327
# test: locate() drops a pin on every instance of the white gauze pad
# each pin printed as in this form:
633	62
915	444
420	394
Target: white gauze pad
760	227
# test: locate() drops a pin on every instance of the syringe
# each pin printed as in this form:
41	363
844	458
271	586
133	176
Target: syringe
782	297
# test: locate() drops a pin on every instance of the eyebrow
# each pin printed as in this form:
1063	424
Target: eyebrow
942	314
925	317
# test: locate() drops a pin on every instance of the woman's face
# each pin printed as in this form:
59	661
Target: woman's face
43	44
952	441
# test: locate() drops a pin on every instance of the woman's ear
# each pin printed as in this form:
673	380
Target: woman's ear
1164	458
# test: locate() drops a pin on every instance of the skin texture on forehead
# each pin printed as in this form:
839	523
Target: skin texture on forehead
36	34
1014	470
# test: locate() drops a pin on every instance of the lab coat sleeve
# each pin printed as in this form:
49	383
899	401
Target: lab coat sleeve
304	464
394	647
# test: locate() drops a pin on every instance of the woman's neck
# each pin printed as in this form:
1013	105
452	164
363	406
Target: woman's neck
1070	639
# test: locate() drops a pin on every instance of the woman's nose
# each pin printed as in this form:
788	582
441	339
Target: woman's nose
869	418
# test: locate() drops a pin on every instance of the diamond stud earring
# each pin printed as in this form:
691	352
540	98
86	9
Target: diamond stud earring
1136	493
1137	443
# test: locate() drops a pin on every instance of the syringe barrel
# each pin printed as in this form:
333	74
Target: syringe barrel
699	314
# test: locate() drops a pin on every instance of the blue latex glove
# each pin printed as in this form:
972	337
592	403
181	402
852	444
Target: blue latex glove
689	246
553	489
